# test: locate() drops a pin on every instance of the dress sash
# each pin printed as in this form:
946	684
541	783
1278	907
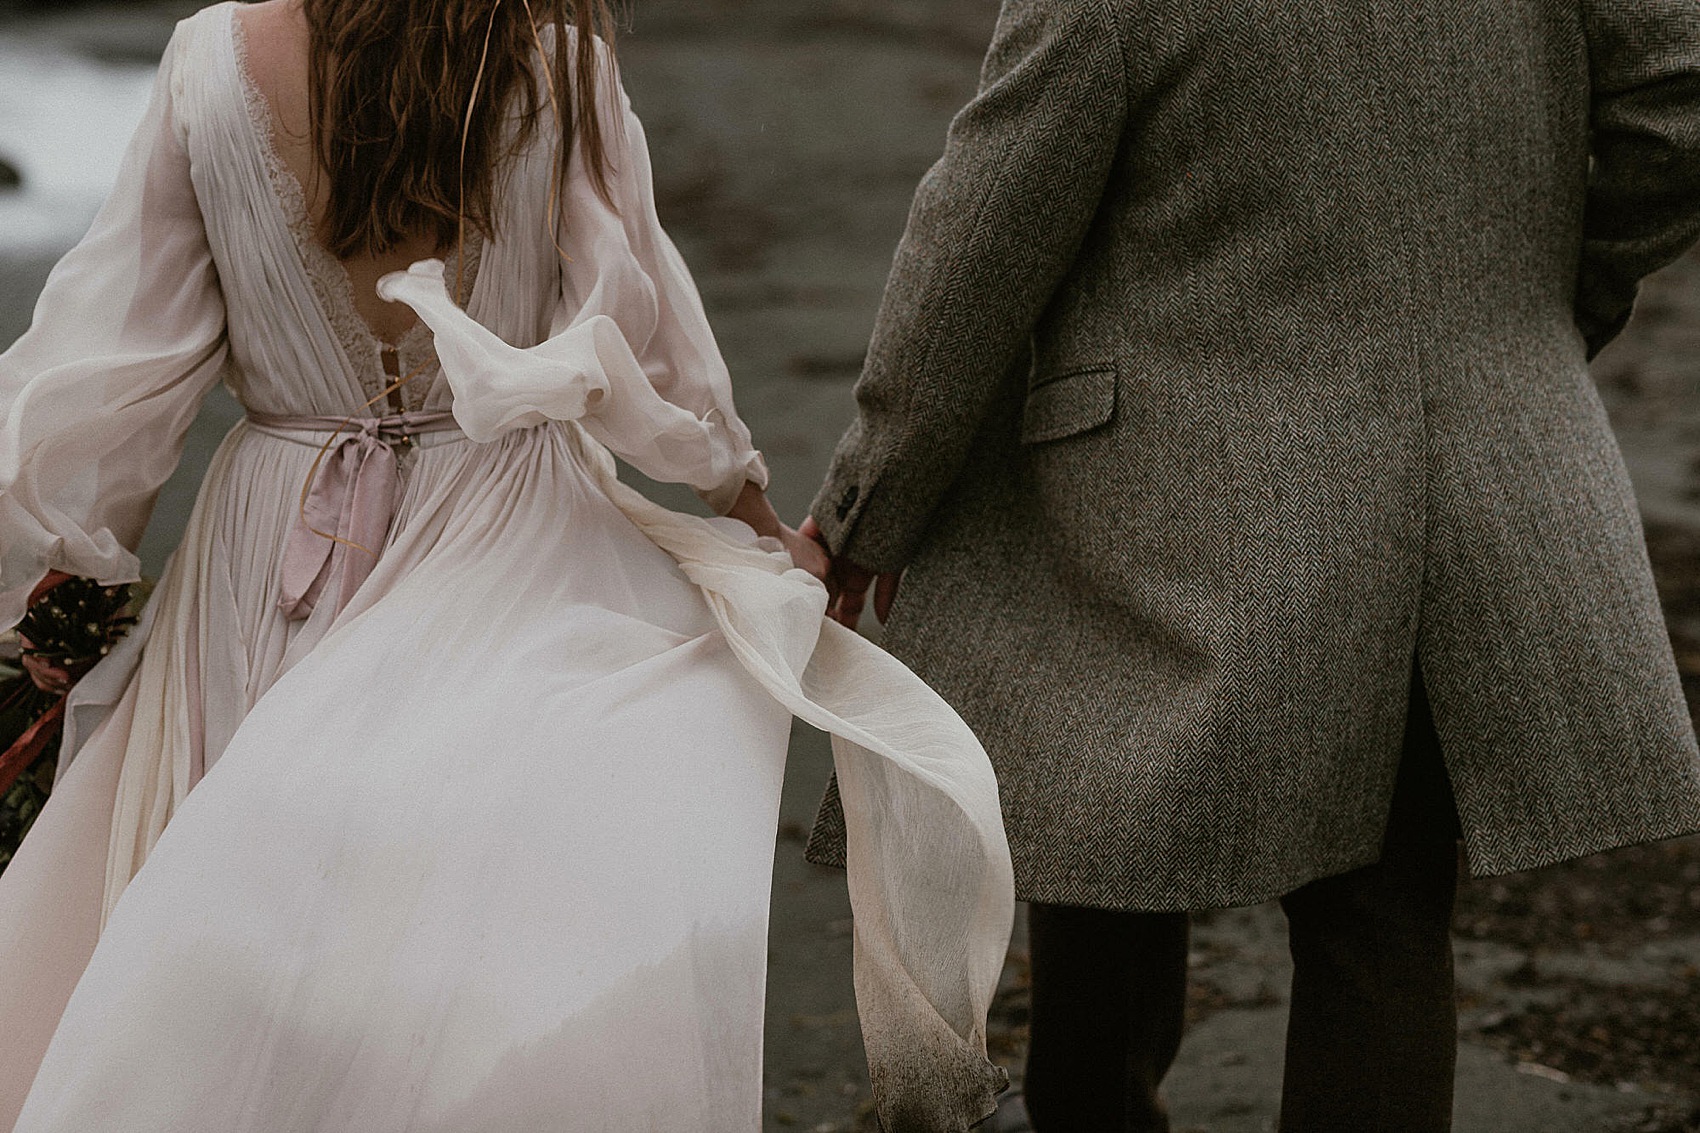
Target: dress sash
349	499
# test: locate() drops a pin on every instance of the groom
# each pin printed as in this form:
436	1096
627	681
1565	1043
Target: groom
1228	415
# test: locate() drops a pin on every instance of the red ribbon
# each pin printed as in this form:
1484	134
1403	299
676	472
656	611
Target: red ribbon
27	748
21	756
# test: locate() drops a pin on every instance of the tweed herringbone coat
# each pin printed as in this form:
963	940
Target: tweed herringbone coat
1234	361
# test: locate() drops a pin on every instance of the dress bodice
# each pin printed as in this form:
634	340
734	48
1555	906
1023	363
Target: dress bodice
202	266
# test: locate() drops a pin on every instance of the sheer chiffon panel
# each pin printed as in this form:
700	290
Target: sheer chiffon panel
474	505
930	877
390	943
127	339
931	880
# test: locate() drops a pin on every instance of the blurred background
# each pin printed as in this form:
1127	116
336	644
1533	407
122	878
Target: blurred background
788	136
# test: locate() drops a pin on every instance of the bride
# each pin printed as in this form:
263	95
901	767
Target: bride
437	788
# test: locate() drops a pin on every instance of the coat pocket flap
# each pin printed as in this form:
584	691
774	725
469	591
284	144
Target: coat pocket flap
1070	403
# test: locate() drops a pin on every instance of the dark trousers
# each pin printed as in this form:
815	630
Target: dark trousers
1372	1038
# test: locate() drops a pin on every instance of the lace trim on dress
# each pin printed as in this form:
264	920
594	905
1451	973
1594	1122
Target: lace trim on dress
330	281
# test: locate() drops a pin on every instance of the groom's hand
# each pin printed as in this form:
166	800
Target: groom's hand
853	585
850	585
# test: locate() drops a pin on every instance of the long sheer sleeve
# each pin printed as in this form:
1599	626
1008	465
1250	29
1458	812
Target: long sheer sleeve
127	339
655	301
629	353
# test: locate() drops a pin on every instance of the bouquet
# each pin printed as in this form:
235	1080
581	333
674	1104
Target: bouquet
72	626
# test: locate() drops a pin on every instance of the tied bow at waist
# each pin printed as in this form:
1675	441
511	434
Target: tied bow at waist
348	502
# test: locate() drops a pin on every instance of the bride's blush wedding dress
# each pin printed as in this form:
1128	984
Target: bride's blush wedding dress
463	820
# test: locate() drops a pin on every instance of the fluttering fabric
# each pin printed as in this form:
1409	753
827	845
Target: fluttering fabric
484	839
930	873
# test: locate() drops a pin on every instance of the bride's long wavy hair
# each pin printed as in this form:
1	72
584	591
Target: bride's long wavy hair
411	104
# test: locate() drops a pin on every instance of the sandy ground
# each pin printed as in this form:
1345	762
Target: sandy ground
787	140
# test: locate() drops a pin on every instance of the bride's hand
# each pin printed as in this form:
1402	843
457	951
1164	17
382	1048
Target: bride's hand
44	674
806	554
753	508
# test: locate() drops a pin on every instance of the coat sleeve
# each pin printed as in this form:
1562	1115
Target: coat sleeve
1643	206
993	230
97	396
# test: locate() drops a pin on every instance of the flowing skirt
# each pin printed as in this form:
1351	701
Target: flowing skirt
495	854
492	847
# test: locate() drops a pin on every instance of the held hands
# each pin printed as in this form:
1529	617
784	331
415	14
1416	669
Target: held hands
849	584
754	509
806	554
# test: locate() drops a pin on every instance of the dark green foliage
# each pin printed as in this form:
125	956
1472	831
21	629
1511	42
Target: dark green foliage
23	801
